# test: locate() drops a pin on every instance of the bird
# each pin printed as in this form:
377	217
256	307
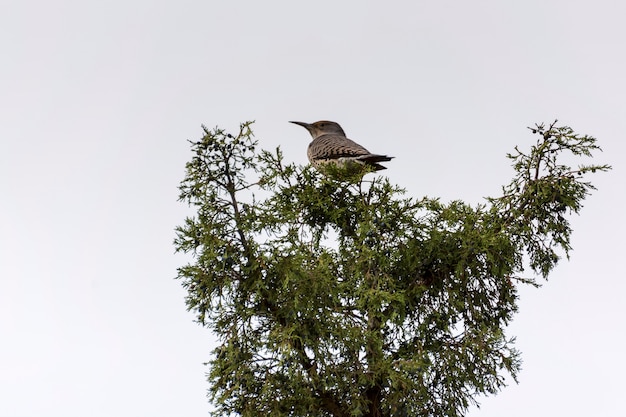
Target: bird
330	145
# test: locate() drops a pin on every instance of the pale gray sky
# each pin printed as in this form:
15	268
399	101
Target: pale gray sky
97	100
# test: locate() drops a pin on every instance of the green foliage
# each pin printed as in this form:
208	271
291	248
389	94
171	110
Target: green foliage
534	205
336	296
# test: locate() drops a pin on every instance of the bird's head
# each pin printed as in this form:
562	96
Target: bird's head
323	127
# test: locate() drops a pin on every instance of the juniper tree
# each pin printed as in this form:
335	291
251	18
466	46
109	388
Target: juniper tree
342	296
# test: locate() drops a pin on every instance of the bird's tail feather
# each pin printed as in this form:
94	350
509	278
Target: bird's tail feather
373	158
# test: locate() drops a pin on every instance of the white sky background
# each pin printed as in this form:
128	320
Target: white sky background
98	100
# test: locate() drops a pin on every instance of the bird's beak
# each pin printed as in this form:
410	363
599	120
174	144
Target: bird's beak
304	125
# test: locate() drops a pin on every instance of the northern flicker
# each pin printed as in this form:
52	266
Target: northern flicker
330	145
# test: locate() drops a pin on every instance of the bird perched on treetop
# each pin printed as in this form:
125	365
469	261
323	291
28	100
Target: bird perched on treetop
330	145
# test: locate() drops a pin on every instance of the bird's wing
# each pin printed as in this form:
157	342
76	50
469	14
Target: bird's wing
335	146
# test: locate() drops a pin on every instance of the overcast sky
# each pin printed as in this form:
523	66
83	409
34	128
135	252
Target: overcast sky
98	100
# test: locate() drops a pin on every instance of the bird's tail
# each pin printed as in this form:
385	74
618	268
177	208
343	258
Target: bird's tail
373	159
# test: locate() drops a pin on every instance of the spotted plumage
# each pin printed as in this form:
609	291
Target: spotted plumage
330	145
